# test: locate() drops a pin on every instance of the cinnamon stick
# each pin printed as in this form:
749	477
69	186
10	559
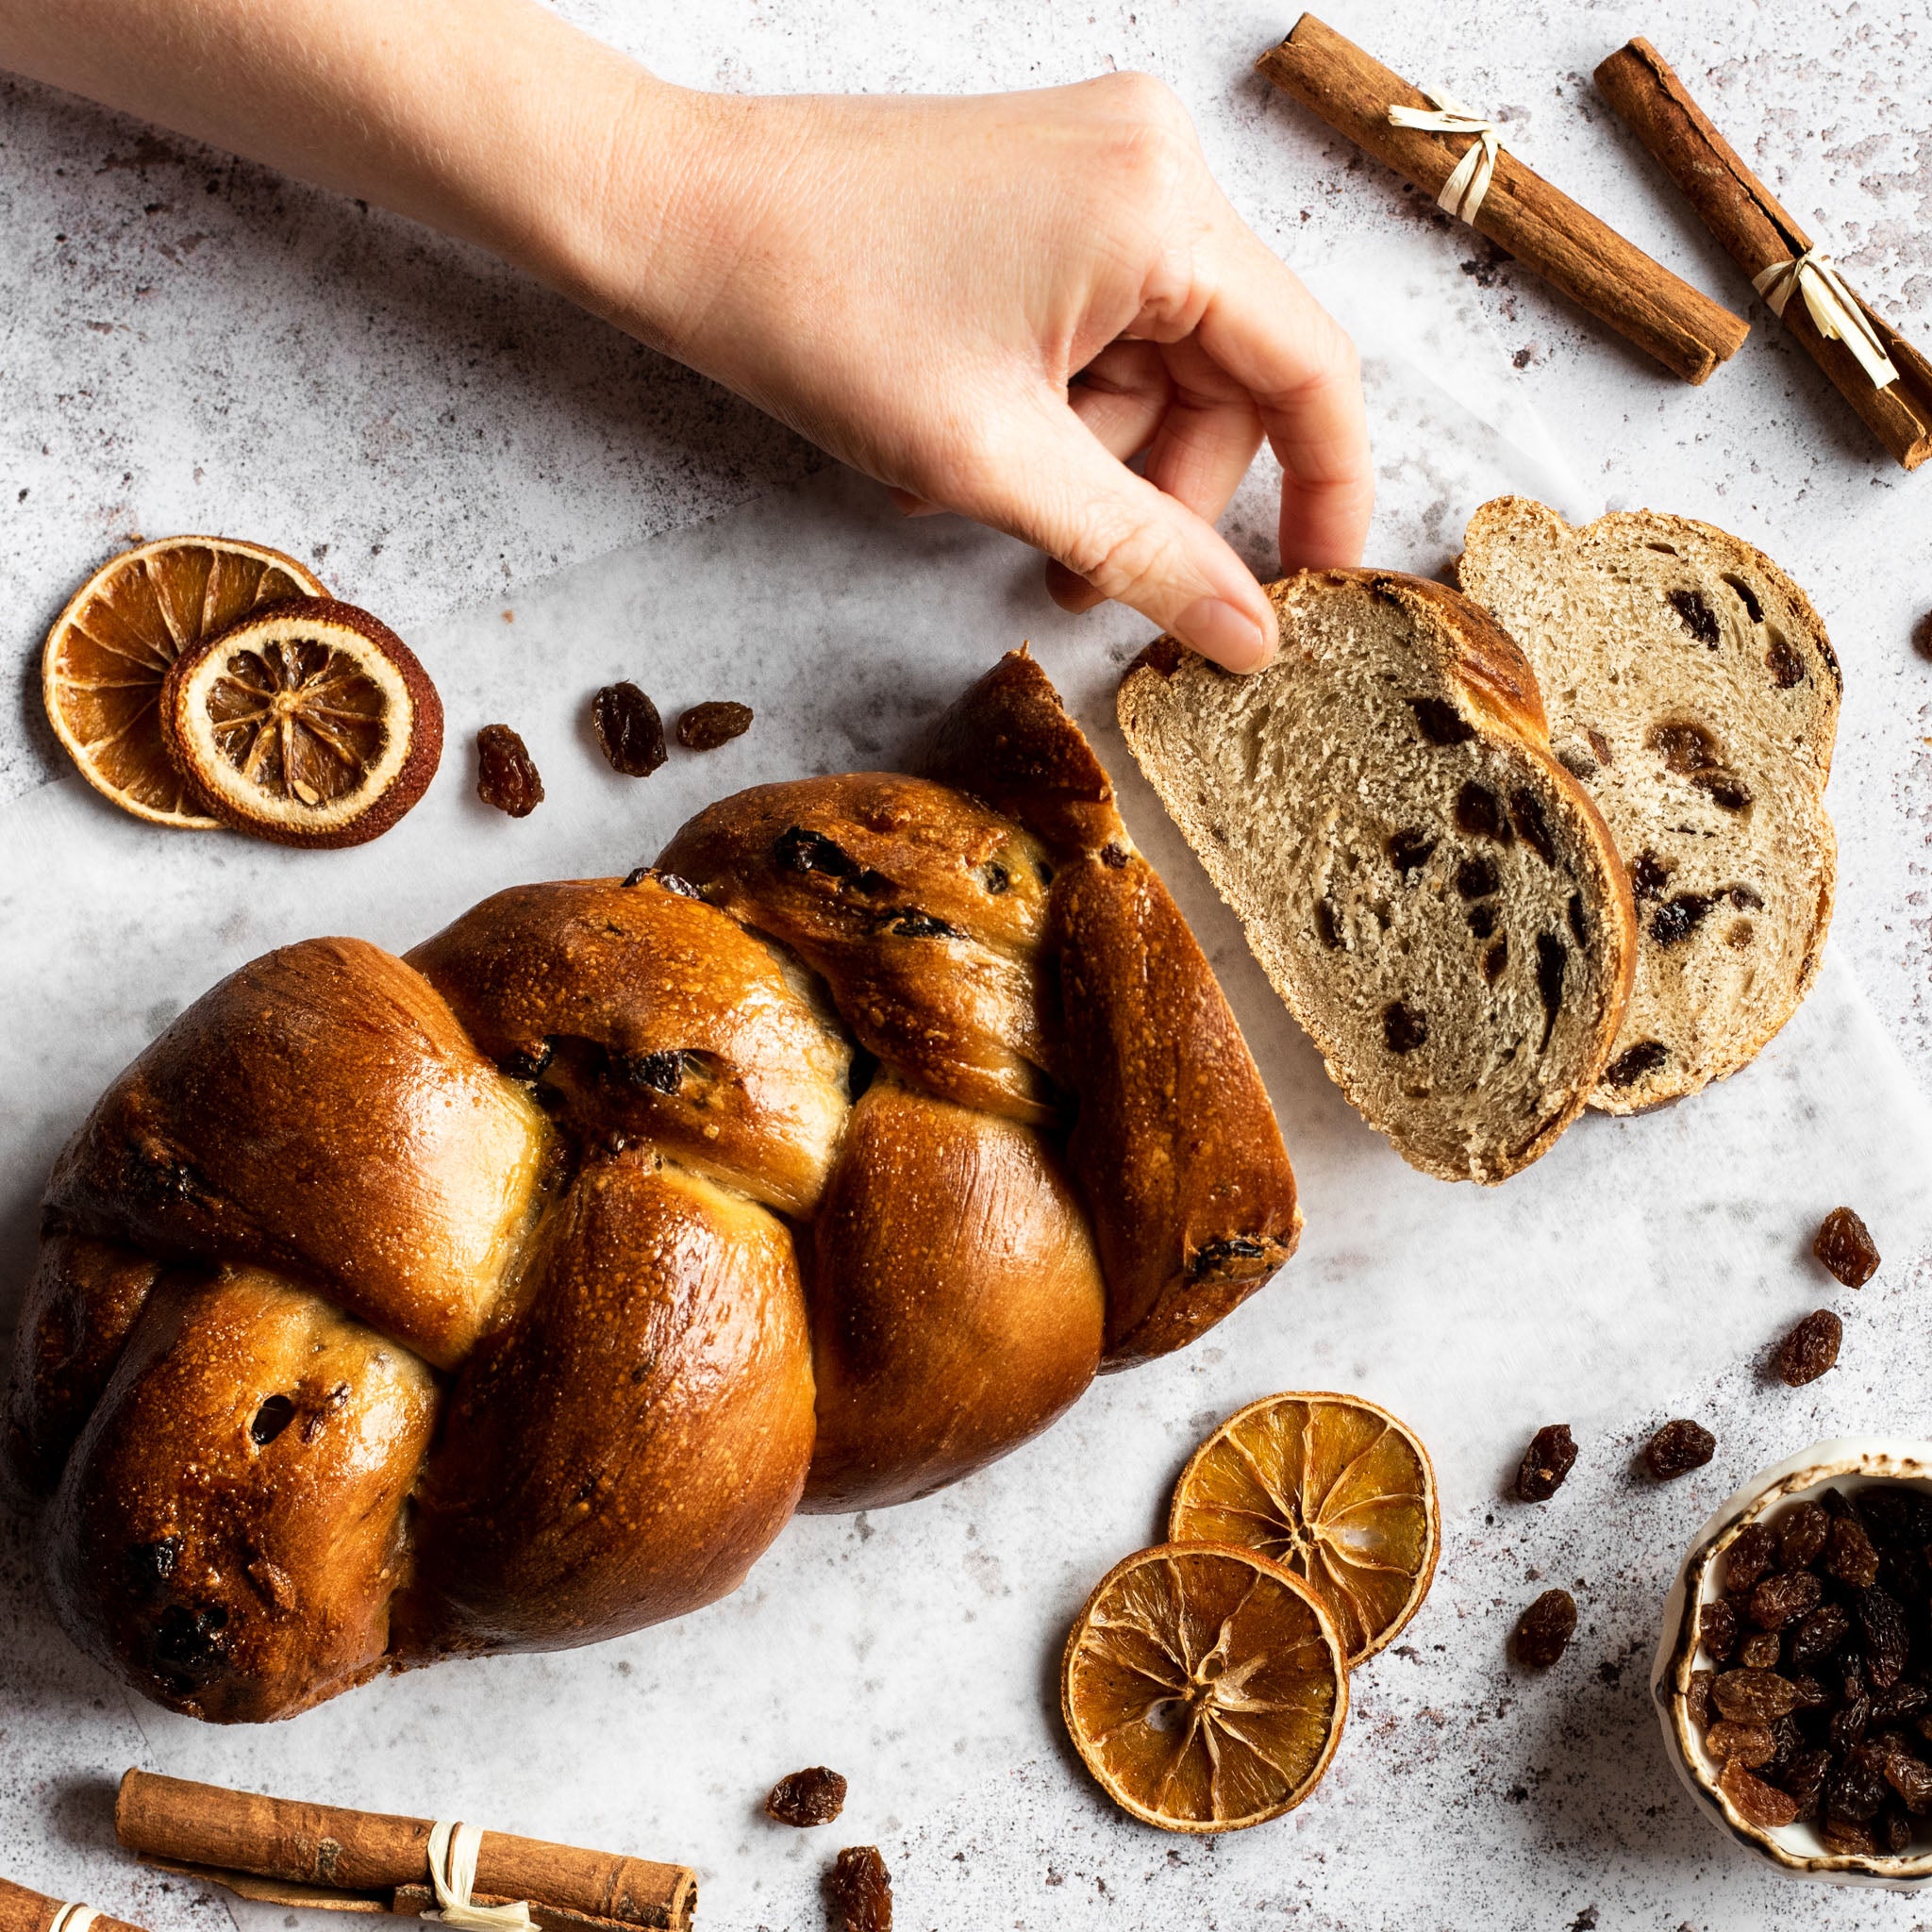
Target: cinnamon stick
1566	245
1757	233
356	1859
21	1910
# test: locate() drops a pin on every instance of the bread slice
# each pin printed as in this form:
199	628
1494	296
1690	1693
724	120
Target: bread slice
1692	686
1431	892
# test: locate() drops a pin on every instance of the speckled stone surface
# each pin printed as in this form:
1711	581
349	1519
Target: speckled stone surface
188	343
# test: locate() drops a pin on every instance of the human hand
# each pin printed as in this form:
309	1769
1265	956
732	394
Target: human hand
992	304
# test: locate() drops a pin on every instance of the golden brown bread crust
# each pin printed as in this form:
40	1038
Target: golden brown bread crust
230	1528
201	1147
546	1153
920	909
625	1452
957	1301
648	1014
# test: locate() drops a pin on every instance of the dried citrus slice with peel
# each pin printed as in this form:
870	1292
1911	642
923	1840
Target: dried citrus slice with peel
309	722
1206	1688
1333	1488
102	668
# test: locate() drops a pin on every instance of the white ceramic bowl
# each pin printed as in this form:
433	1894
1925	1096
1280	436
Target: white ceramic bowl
1794	1848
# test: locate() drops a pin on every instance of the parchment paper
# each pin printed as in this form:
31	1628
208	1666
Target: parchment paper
1640	1271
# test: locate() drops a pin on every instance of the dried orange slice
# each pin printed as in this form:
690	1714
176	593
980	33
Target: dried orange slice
309	722
102	668
1206	1688
1333	1488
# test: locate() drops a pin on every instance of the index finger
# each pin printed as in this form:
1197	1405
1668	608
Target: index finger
1264	328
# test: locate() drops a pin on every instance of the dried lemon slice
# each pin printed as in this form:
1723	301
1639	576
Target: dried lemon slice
1205	1688
1335	1489
104	660
310	724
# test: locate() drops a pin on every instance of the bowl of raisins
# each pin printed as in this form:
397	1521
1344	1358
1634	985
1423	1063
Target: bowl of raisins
1794	1679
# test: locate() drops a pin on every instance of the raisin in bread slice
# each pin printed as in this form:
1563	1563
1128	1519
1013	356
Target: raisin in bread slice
1693	688
1433	896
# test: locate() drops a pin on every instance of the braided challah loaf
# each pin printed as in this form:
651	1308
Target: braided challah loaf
513	1295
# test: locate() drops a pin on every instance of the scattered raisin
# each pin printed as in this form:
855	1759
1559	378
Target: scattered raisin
1544	1630
1552	967
1526	815
1649	875
630	729
1408	851
1844	1243
1785	667
1677	1448
815	1796
1631	1065
1551	1455
1778	1600
1440	722
506	777
1696	616
1475	878
859	1889
1750	1745
1810	1348
1755	1801
716	722
1849	1554
1479	812
1754	1696
1717	1629
1677	919
1403	1027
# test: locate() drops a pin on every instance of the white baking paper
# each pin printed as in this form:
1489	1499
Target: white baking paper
1640	1271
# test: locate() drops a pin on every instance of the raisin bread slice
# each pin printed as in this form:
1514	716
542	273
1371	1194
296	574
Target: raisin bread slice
1692	686
1433	896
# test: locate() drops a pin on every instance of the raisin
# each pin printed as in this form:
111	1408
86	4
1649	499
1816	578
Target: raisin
1844	1243
1849	1555
271	1419
1882	1625
815	1796
1113	855
1745	899
1482	921
1724	789
1631	1065
1475	878
1902	1701
1526	815
1327	928
1754	1697
1577	924
1785	667
1855	1790
1912	1778
1819	1634
1748	1560
1552	968
909	923
1779	1600
1755	1801
1893	1829
1440	722
1696	616
1810	1348
1845	1839
1408	851
1750	1745
1697	1697
1403	1027
798	849
630	729
1717	1630
1804	1777
1551	1455
1802	1529
1895	1515
715	722
1677	919
1851	1720
1496	959
150	1565
1648	876
1479	812
1578	763
663	1073
1760	1651
188	1639
1685	748
995	878
1677	1448
506	777
859	1889
1811	1695
1544	1630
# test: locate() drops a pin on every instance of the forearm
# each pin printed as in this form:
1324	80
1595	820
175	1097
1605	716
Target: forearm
488	119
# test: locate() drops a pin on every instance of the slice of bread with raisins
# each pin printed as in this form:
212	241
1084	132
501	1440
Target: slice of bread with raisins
1692	686
1433	896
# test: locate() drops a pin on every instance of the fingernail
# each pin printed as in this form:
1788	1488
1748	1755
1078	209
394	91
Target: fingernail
1225	633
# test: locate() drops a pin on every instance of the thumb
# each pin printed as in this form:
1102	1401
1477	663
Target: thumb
1067	494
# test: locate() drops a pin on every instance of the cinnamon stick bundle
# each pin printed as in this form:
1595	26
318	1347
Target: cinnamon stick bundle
21	1910
1566	245
1759	234
289	1853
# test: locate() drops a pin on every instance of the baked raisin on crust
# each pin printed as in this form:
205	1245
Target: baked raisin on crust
1432	893
1692	690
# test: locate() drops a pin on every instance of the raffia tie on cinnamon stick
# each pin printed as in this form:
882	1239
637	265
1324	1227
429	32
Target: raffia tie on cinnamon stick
1462	193
1884	378
453	1848
1575	253
21	1910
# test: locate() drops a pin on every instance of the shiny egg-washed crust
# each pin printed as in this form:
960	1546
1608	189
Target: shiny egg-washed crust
515	1294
